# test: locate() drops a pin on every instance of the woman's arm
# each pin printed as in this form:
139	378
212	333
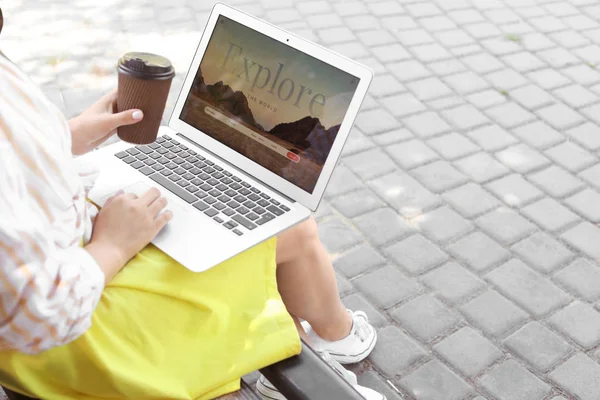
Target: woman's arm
98	123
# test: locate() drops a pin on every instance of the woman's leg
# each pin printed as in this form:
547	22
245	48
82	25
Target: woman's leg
307	284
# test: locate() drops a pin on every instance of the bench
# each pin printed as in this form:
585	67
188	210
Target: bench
303	377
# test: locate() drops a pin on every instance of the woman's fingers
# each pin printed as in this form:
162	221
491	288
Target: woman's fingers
150	196
157	206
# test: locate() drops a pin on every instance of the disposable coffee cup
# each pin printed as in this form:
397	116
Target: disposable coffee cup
144	82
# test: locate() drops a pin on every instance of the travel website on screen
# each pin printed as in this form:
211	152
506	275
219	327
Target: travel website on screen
275	105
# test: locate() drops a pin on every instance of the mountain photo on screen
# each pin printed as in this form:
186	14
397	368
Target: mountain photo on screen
269	102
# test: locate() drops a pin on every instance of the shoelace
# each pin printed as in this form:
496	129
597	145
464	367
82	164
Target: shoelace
361	325
349	376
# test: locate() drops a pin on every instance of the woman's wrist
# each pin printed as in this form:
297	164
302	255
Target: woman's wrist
108	256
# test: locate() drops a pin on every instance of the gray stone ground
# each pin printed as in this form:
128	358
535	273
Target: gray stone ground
463	214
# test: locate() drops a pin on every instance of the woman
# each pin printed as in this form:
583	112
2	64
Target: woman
89	309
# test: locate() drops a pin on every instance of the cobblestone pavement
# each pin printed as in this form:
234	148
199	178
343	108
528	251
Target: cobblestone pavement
463	214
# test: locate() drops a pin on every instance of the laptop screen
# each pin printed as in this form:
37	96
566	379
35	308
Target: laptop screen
269	102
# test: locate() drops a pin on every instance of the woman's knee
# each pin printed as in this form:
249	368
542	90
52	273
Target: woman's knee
298	240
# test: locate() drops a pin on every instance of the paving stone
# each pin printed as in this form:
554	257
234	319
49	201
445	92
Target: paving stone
383	226
558	57
522	158
375	121
350	49
491	137
452	146
385	85
487	98
408	70
571	156
425	317
527	288
514	190
538	345
446	102
452	282
506	79
414	36
358	260
581	278
500	46
429	88
336	35
482	30
478	251
588	135
343	284
439	176
465	117
584	237
430	52
323	211
524	62
376	37
549	214
357	302
511	381
481	167
579	376
531	96
324	21
390	52
437	23
403	104
592	175
493	313
542	252
357	203
416	254
509	115
426	125
585	204
582	74
539	134
482	63
372	380
342	181
446	67
370	164
470	200
560	116
386	286
468	351
338	236
466	16
466	82
548	78
580	322
442	224
398	135
395	23
411	154
556	181
576	96
434	381
404	194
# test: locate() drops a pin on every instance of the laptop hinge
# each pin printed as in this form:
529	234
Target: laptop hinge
234	167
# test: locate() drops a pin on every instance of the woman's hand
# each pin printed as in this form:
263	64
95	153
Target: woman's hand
124	226
99	122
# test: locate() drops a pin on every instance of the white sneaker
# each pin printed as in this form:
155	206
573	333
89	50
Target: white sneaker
353	348
270	392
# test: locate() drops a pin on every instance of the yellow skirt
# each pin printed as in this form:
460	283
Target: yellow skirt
163	332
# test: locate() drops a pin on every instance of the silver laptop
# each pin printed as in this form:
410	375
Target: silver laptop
253	139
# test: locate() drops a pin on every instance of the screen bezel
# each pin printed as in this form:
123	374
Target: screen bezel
252	168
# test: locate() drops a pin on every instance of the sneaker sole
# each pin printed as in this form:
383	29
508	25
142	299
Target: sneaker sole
353	359
267	393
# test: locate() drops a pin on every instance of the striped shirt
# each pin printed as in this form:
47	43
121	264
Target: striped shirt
49	285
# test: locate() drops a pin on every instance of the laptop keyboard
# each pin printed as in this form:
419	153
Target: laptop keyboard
219	194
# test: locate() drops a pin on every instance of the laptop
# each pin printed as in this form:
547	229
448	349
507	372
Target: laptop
255	134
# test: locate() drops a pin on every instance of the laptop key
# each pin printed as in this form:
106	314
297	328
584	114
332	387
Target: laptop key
205	187
235	186
239	198
170	156
249	204
226	180
141	156
243	210
147	171
168	145
166	137
201	193
235	178
166	172
192	152
238	232
174	177
284	208
255	190
224	199
209	169
212	181
137	164
265	196
195	170
129	159
185	154
155	156
245	184
222	187
233	204
217	175
244	191
162	150
175	149
265	218
218	168
133	151
263	203
209	162
252	216
173	188
197	182
275	202
226	173
188	166
243	221
179	171
259	210
219	206
204	176
218	219
183	183
230	193
275	210
144	149
172	165
228	225
163	160
214	193
149	161
159	167
191	189
179	161
229	212
188	176
210	200
122	154
182	147
200	157
200	205
192	159
211	212
254	197
160	139
154	146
